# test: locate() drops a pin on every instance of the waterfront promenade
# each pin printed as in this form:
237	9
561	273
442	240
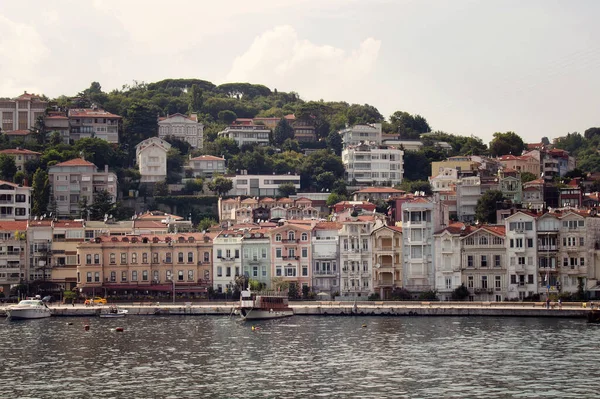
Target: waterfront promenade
335	308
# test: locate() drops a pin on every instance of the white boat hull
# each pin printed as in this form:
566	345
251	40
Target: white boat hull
257	314
24	314
119	314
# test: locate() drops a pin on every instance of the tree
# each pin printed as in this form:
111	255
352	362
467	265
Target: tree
195	99
545	141
506	143
193	186
161	189
334	198
84	208
527	176
362	114
418	185
287	189
325	181
41	192
55	138
409	126
305	291
103	205
19	177
485	211
290	145
460	293
227	116
175	163
334	142
206	223
282	132
8	168
292	291
591	132
220	185
319	162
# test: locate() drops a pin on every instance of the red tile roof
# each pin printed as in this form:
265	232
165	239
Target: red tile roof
455	228
328	226
21	151
13	225
76	162
207	158
497	229
395	228
191	117
71	224
56	117
92	113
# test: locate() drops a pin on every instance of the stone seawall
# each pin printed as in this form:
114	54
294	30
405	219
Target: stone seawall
493	309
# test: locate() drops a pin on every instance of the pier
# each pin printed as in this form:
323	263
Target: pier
335	308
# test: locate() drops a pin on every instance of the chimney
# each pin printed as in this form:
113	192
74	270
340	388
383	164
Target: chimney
25	182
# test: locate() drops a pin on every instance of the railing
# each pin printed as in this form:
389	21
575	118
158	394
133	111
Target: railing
290	257
547	247
324	273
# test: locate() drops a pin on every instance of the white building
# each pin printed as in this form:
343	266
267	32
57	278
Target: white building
151	157
15	201
574	252
468	191
356	257
373	165
206	166
418	226
325	255
13	254
445	180
448	260
357	134
261	185
247	134
227	259
521	252
182	127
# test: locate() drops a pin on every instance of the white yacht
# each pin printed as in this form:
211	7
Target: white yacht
28	309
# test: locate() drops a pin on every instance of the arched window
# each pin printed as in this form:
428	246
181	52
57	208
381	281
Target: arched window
304	237
180	257
291	235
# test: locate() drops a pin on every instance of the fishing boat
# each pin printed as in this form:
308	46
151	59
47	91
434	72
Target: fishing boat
263	305
114	313
28	309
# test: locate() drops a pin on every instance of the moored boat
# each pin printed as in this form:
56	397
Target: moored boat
114	313
28	309
263	305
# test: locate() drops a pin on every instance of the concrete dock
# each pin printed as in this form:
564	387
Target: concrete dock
329	308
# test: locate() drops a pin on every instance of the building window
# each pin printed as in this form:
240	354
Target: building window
123	258
145	275
180	257
278	252
304	237
530	243
278	237
470	281
278	271
228	271
190	276
470	261
206	257
497	260
237	253
498	282
190	257
155	276
521	260
88	259
145	257
113	276
484	282
96	259
304	271
264	253
180	275
484	261
305	252
123	276
530	279
97	277
219	271
155	257
113	259
168	258
254	271
291	235
89	277
134	257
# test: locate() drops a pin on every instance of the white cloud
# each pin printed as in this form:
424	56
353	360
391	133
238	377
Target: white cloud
278	58
24	51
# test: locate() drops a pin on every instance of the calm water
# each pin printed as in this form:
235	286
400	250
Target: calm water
177	357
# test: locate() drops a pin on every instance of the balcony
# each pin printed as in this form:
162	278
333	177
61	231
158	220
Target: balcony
548	247
325	273
321	255
290	257
384	282
484	291
290	241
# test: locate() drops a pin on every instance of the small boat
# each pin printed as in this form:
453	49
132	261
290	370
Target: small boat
263	305
28	309
114	313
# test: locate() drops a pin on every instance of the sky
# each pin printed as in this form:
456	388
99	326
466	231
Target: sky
468	67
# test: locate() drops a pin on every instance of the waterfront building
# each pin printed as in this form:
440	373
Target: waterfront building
227	259
182	127
94	122
522	254
151	158
256	260
356	255
573	253
21	156
15	201
254	209
325	258
357	134
483	260
418	226
261	185
74	180
20	114
368	165
386	242
39	251
146	264
13	254
206	166
66	236
291	254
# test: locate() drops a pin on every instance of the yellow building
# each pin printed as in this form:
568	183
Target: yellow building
141	265
387	260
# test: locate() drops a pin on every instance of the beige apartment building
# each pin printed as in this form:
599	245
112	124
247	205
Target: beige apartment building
21	156
20	114
94	122
73	180
146	264
387	260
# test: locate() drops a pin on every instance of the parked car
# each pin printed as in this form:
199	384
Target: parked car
95	301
